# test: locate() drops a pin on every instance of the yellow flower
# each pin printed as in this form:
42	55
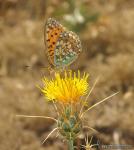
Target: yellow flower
66	88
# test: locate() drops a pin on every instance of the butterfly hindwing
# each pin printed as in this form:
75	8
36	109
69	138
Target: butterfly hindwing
67	49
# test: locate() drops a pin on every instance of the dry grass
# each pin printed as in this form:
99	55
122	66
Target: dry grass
108	51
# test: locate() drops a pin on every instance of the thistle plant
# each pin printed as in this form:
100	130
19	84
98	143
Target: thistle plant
66	91
88	145
69	92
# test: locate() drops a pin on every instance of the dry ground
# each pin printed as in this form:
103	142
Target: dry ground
108	52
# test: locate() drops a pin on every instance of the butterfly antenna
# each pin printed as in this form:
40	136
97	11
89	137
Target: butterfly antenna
40	67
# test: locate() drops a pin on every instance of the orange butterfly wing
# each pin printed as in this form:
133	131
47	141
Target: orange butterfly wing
53	30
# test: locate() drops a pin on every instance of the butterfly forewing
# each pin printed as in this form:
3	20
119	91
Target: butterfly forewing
53	30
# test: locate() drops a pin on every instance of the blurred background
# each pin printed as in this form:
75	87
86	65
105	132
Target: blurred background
106	31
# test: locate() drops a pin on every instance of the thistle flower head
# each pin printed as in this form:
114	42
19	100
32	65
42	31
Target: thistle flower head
66	88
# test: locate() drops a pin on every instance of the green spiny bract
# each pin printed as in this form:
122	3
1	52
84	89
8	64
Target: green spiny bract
69	124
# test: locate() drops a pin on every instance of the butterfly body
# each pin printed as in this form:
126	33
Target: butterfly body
63	46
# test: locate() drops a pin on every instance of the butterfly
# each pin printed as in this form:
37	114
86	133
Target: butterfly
63	46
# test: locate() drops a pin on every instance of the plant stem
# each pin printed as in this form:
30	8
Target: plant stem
71	5
71	144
